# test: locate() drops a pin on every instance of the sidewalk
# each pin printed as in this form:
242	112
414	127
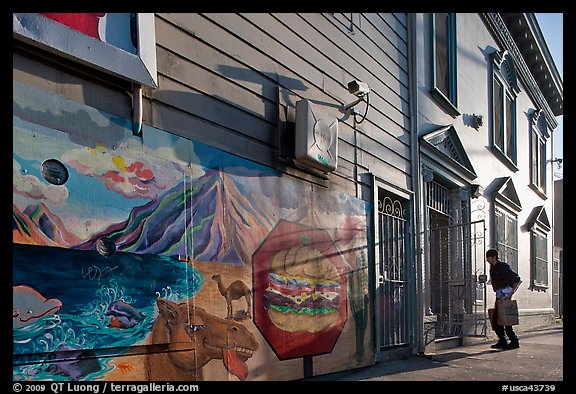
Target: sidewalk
539	359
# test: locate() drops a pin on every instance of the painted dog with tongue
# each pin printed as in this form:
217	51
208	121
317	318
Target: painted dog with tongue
193	337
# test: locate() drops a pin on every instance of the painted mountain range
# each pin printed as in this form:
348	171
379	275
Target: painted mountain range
210	220
38	225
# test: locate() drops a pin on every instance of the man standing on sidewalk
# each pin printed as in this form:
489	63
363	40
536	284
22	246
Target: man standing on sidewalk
504	282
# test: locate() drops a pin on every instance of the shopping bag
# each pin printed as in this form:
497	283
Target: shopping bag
507	312
491	318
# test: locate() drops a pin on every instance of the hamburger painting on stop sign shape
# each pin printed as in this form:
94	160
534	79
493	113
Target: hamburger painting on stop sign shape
299	290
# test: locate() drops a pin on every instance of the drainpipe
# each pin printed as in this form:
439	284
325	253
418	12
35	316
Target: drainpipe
137	111
415	158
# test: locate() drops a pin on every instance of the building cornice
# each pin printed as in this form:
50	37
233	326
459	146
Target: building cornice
504	39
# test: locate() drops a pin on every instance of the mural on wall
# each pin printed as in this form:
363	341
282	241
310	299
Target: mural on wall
161	251
299	290
86	23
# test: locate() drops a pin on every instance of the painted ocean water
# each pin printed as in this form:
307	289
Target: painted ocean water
107	304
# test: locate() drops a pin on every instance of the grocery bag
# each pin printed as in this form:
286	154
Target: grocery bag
507	312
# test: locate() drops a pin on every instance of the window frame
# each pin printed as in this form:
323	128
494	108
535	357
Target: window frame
507	248
504	92
537	262
45	33
448	100
505	202
538	153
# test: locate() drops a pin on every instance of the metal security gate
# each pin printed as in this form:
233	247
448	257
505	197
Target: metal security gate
458	279
456	261
391	271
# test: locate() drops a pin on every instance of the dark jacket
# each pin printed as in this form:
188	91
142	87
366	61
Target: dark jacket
501	275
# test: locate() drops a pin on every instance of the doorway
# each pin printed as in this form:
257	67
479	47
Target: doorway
457	273
392	292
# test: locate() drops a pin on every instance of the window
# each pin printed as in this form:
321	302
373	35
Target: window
507	238
539	253
444	61
538	134
504	110
504	92
539	226
507	206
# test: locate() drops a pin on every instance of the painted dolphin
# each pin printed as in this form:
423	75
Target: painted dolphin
29	306
123	315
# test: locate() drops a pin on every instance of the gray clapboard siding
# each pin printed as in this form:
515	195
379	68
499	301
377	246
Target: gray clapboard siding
263	22
345	55
220	72
383	170
395	152
325	66
346	151
173	39
331	59
33	70
392	27
303	73
181	123
397	21
209	83
367	48
214	110
228	44
246	56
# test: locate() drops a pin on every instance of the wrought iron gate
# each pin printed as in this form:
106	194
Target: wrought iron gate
458	279
391	271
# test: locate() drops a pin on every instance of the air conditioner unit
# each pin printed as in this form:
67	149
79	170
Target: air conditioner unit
316	141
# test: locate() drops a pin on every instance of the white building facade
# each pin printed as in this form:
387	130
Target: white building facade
487	97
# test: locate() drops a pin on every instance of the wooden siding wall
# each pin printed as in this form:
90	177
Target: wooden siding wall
86	86
224	78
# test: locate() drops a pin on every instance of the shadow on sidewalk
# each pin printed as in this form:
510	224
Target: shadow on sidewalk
456	353
466	357
411	364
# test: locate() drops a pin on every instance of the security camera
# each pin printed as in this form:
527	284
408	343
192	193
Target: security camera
358	88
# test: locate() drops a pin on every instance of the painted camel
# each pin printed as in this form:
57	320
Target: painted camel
235	291
194	337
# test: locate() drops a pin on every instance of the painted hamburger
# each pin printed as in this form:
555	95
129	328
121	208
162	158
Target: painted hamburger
302	290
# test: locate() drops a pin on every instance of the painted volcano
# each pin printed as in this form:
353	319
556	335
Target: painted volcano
212	219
